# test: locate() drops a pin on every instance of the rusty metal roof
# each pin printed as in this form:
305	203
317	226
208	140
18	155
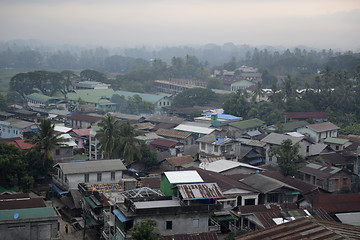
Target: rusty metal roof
306	228
199	191
172	133
193	236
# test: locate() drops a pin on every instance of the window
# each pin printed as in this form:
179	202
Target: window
159	103
272	198
345	181
216	148
337	147
202	146
195	223
168	225
86	177
307	149
250	201
112	176
99	177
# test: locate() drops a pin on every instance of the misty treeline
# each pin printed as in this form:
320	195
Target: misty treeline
279	61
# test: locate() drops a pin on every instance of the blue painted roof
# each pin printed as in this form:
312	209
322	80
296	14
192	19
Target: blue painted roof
121	216
56	189
222	116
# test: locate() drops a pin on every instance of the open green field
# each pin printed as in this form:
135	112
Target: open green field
5	76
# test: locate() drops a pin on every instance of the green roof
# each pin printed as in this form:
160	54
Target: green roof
152	98
251	123
27	213
98	96
92	203
336	140
40	97
292	126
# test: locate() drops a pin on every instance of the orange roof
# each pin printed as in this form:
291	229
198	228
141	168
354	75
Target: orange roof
82	132
20	143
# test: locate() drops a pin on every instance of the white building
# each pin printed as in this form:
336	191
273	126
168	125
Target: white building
99	171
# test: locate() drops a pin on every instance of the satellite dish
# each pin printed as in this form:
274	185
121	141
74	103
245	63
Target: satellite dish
16	215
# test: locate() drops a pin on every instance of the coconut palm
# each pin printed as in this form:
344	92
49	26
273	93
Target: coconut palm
128	146
108	135
46	140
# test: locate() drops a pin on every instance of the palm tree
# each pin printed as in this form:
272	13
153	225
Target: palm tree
128	143
108	135
46	140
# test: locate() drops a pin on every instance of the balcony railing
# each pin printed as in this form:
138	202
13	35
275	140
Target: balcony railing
59	183
213	226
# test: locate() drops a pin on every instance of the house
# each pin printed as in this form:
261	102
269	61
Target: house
175	163
195	128
173	85
216	119
164	145
69	175
39	100
213	145
165	119
158	101
306	148
305	228
319	131
235	193
250	155
80	137
16	128
330	178
337	144
21	143
137	207
238	129
5	115
265	216
227	167
148	137
65	152
80	121
271	190
185	138
22	217
97	98
293	126
241	85
170	179
334	159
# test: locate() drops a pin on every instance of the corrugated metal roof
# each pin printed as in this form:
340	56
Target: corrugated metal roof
173	134
251	123
193	236
306	228
336	140
179	161
277	138
27	213
265	184
224	165
199	191
323	127
177	177
194	129
92	166
152	98
319	170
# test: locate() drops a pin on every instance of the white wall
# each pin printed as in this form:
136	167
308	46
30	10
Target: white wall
75	179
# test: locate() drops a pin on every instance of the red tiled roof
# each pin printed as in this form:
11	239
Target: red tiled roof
163	143
179	161
82	132
172	133
20	143
85	118
323	127
193	236
306	115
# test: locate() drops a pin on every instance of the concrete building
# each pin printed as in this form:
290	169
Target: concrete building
319	131
69	175
15	128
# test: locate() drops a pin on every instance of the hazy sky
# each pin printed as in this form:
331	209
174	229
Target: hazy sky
315	23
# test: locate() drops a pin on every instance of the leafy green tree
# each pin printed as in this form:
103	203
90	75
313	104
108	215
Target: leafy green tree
237	105
215	83
148	157
3	105
14	168
108	135
92	75
145	230
288	157
46	140
22	84
194	97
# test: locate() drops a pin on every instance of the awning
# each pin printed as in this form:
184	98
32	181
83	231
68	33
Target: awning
56	189
91	203
121	216
292	193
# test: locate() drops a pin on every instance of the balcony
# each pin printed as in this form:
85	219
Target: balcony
213	226
58	182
